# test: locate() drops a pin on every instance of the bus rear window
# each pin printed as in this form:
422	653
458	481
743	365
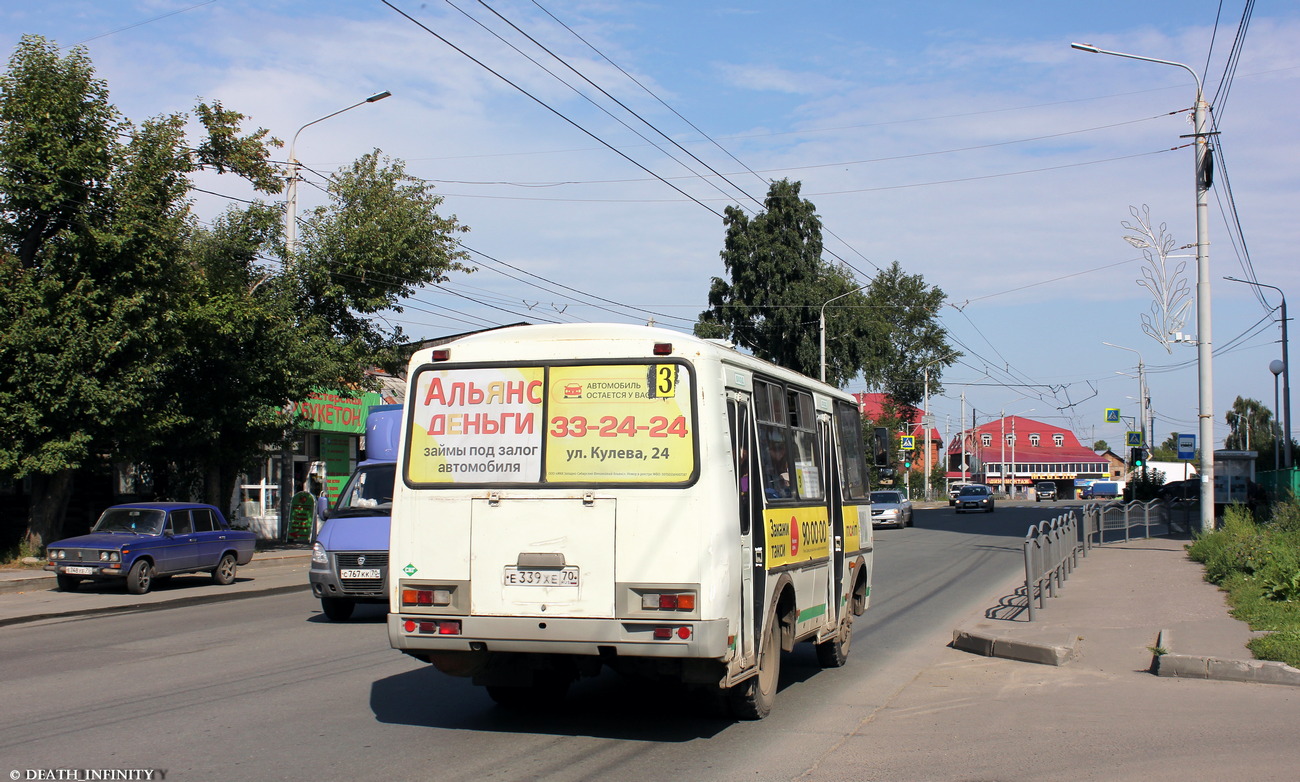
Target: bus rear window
614	423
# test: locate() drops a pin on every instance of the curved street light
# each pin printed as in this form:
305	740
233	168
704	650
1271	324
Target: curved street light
1285	418
290	250
1204	346
821	324
291	187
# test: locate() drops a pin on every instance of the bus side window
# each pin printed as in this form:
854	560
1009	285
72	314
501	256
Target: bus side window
852	452
738	421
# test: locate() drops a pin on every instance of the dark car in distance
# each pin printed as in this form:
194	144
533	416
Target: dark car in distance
1044	490
137	542
975	496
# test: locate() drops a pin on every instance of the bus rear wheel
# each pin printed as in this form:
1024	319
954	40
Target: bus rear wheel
835	652
752	699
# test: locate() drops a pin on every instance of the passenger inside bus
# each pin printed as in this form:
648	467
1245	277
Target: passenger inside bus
776	466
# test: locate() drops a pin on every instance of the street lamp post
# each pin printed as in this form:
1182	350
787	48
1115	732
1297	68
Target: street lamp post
924	428
821	326
1204	345
1277	368
1284	420
291	187
1143	404
290	249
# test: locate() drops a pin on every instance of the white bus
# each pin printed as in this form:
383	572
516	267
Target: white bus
587	495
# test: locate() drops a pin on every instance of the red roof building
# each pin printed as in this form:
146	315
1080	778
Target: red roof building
873	406
1017	452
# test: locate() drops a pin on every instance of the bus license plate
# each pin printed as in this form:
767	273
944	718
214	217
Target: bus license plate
77	570
562	577
358	573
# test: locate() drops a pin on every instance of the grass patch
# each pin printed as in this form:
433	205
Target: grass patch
1258	565
12	557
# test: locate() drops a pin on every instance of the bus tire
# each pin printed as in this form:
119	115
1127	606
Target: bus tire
752	699
835	652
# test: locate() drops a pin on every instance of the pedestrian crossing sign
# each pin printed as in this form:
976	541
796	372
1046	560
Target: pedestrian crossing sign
908	442
1112	415
1134	440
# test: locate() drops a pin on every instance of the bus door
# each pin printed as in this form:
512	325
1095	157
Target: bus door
753	575
834	507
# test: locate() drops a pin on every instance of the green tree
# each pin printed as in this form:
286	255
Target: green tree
378	240
779	287
907	341
1250	428
130	332
93	217
1100	446
241	358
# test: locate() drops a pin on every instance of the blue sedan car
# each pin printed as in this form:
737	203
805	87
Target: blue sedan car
138	542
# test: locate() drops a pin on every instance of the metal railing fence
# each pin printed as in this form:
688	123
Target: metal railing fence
1105	521
1052	551
1052	548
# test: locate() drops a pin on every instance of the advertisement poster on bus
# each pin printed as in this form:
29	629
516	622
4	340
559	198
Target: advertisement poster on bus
479	425
624	423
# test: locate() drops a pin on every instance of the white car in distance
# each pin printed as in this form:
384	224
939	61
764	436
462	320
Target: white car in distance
890	509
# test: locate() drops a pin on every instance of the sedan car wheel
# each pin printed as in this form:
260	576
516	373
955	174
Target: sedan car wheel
140	578
224	572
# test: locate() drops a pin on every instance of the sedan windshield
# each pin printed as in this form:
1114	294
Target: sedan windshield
886	496
972	491
142	521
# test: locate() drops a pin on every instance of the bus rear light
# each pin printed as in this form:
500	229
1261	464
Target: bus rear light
432	626
441	354
663	348
417	597
668	601
667	633
426	597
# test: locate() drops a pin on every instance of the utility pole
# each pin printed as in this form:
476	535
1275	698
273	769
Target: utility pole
1203	177
963	437
1002	471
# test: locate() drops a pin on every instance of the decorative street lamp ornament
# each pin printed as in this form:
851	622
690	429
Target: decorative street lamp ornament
1173	295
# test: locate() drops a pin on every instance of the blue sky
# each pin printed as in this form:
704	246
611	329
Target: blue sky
965	140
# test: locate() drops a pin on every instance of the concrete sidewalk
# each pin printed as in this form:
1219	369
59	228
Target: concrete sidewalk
1100	715
1122	603
30	594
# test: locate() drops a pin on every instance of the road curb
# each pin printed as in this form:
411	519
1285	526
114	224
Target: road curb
1189	666
155	605
44	579
1063	650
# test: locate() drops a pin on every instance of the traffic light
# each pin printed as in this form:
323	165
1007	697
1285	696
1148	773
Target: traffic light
1136	457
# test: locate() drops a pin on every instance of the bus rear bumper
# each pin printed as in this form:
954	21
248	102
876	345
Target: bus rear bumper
694	638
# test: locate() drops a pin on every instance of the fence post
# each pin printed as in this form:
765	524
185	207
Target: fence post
1029	575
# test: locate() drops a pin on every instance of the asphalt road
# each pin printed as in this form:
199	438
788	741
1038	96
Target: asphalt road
265	688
